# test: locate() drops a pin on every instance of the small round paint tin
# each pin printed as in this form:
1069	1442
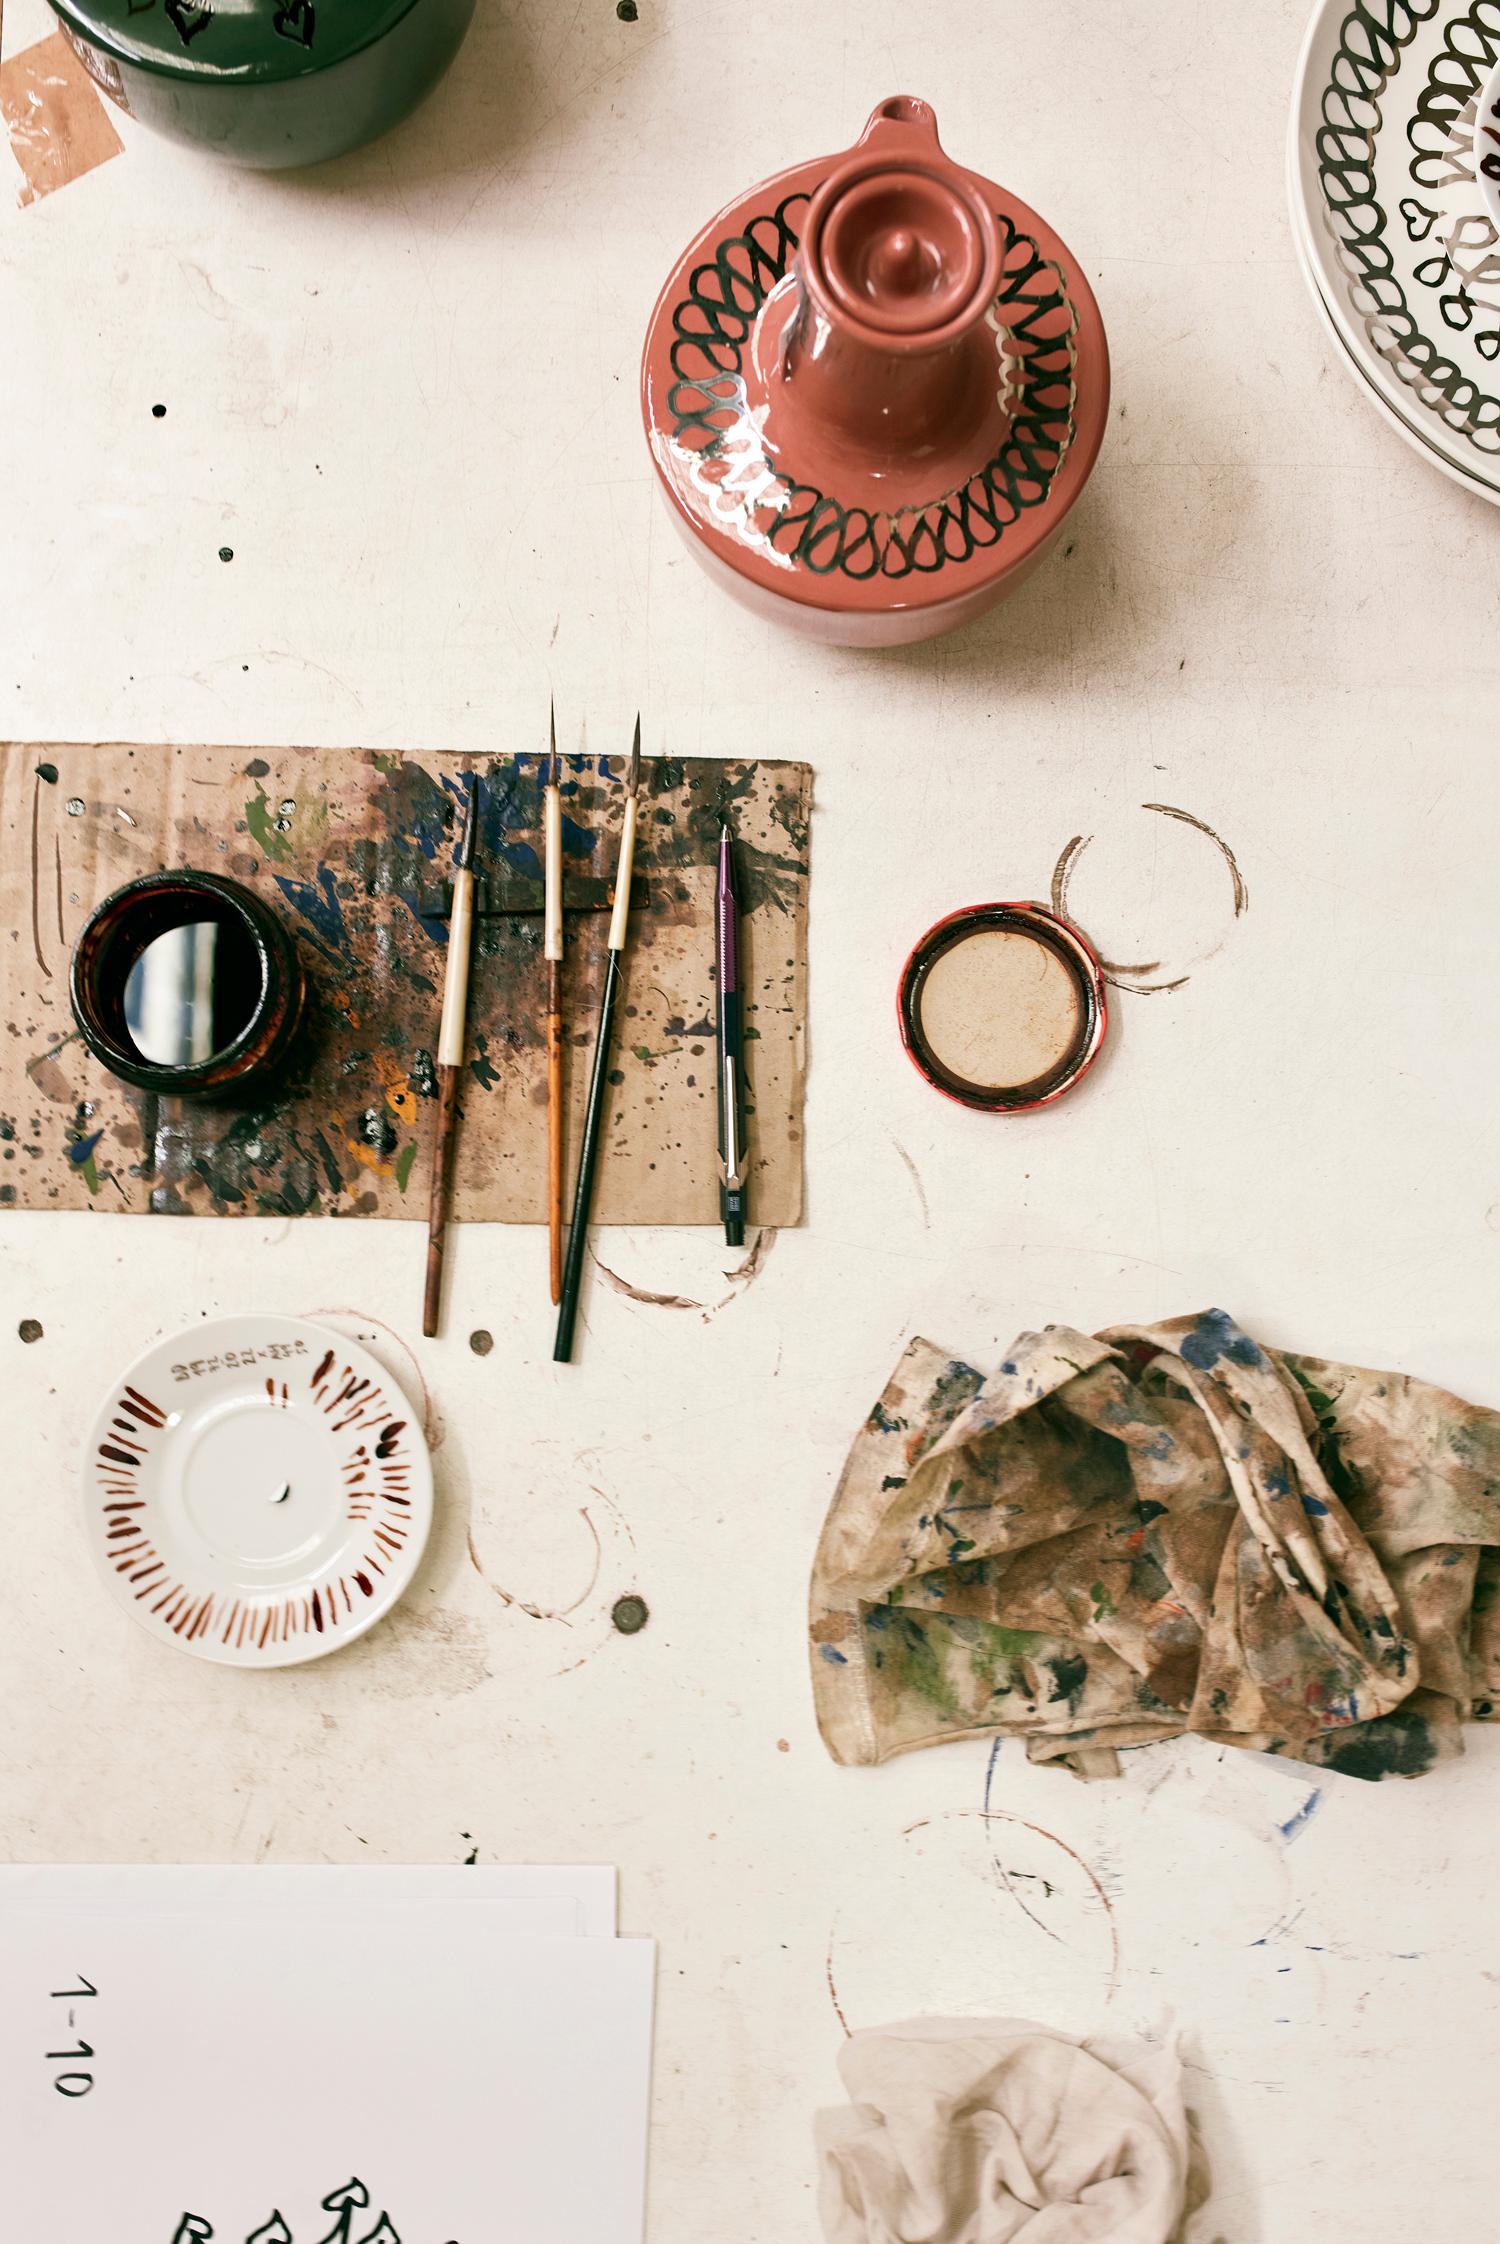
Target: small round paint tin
185	983
1002	1006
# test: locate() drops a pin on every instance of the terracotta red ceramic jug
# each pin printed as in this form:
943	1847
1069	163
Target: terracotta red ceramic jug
873	388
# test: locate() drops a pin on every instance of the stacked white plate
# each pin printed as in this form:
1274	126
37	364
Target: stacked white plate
1396	229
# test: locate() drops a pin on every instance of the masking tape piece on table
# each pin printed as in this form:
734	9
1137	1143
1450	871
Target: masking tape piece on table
58	125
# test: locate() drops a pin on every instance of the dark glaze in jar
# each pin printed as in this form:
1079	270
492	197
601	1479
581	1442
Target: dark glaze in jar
122	928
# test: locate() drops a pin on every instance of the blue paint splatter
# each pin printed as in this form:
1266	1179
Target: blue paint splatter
834	1659
578	841
425	834
1314	1508
1277	1483
1215	1335
81	1150
1296	1824
318	903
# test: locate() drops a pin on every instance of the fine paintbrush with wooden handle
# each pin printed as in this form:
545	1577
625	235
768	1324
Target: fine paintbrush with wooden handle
593	1127
450	1056
552	950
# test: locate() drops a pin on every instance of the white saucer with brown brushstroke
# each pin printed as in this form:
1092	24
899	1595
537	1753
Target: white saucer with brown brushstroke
257	1491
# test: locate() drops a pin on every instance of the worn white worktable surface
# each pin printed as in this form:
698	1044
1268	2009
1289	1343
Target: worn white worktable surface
404	392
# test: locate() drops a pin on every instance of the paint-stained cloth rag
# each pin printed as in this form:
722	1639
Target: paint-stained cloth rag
980	2131
1165	1528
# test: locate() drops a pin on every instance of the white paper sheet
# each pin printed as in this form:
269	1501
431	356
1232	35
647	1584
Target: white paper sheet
556	1898
396	2075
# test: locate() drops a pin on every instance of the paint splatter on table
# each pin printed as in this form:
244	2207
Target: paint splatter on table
352	847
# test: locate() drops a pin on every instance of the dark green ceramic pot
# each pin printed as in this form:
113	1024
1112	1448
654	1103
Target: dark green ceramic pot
271	83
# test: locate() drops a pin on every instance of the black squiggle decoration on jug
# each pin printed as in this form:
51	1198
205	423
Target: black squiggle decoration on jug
712	327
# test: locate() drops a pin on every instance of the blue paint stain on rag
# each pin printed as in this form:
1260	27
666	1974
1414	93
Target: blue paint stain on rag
1215	1336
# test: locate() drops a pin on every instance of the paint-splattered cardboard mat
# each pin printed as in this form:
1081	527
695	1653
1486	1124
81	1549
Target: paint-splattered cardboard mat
353	849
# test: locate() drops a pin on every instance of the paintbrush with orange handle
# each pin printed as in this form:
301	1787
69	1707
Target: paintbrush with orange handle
450	1056
552	949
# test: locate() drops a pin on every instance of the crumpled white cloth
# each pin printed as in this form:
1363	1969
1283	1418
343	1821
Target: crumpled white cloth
992	2131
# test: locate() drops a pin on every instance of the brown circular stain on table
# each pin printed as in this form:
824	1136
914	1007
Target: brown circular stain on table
630	1615
1149	977
30	1329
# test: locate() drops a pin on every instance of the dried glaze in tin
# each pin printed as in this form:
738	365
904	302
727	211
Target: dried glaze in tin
121	930
1002	1006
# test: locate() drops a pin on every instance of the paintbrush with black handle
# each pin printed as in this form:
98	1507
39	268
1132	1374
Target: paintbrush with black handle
593	1127
552	951
450	1055
733	1158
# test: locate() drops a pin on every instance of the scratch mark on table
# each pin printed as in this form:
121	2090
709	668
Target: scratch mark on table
1281	1926
999	1815
999	1866
912	1172
833	1993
